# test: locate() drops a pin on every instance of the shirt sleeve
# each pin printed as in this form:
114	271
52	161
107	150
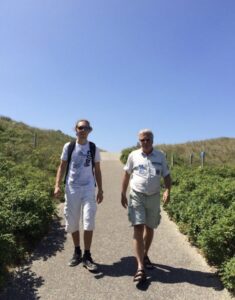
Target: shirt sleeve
97	155
129	164
64	155
165	169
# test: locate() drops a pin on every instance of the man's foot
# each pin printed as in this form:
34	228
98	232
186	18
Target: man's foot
140	276
88	263
75	260
147	263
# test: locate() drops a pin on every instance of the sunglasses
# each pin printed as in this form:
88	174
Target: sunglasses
144	140
86	128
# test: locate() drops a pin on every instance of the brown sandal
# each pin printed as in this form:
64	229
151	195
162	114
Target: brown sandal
140	276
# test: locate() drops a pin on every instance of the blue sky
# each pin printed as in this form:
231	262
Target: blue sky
124	65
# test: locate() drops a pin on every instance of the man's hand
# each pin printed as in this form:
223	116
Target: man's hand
124	200
99	197
166	196
57	192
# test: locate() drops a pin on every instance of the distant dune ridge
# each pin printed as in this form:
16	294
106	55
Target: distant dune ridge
217	151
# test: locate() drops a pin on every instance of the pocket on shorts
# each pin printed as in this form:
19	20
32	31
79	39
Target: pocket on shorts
135	215
136	212
153	218
134	200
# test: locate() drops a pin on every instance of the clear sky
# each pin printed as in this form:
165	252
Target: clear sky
123	64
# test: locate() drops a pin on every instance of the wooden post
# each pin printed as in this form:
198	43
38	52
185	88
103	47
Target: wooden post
191	159
172	160
35	141
202	155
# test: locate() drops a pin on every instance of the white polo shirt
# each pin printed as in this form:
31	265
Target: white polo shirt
80	168
146	171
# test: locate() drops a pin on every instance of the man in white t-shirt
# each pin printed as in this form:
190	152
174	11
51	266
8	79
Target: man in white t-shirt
144	169
81	168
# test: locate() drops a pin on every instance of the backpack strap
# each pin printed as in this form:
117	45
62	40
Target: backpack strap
70	151
93	150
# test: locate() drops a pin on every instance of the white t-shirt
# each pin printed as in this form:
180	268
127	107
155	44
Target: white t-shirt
146	170
80	168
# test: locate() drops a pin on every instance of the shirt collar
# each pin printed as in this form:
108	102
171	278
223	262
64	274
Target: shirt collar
146	155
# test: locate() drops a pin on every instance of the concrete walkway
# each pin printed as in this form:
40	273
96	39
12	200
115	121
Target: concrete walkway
180	273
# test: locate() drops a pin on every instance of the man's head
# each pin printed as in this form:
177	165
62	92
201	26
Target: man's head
83	128
146	140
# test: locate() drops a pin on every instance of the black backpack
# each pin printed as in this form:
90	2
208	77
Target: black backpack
70	151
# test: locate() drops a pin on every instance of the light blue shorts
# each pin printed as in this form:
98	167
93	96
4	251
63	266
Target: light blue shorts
144	209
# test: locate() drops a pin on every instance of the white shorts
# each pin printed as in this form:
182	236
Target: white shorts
78	203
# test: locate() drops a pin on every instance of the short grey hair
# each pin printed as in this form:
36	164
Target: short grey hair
147	131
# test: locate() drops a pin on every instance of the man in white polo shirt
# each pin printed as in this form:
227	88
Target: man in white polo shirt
80	163
144	169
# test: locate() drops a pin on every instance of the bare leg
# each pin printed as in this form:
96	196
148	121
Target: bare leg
87	239
139	244
148	238
76	238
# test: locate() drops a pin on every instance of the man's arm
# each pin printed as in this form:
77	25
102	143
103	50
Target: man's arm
125	183
59	176
98	178
166	194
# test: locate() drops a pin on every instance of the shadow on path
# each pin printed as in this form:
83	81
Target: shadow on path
125	267
52	243
168	274
161	273
23	283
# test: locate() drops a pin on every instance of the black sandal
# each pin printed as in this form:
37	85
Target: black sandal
140	276
147	263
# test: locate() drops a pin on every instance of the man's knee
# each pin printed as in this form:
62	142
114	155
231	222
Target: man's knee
148	229
138	230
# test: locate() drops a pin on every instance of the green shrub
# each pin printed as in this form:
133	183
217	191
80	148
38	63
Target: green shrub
8	248
218	241
26	210
203	205
227	274
29	158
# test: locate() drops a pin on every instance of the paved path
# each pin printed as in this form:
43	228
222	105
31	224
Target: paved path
180	273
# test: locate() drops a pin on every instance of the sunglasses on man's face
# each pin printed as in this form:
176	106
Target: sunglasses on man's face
145	140
86	128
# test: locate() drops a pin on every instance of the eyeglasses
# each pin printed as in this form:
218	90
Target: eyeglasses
144	140
86	128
